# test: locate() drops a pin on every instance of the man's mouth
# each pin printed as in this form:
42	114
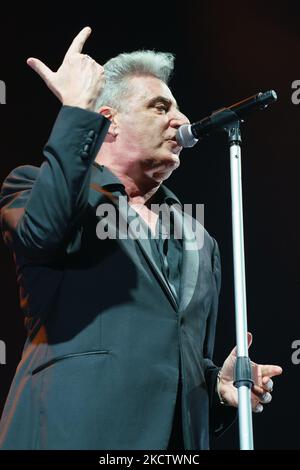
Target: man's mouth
174	142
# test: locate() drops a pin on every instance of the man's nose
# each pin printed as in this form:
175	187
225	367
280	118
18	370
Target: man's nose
178	119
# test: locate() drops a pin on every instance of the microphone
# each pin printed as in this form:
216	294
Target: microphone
188	134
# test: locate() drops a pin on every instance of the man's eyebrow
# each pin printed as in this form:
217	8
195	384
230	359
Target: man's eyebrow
161	99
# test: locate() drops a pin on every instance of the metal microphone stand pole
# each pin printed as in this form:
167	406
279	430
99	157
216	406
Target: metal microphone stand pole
243	374
229	119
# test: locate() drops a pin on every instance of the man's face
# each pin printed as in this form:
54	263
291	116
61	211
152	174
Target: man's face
147	126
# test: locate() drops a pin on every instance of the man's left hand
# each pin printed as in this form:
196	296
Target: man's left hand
263	384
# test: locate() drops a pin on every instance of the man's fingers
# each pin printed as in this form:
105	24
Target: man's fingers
258	408
260	394
266	398
39	67
258	401
270	370
267	383
249	338
257	390
78	41
262	375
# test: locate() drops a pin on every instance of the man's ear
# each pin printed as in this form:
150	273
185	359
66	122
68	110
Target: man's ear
110	114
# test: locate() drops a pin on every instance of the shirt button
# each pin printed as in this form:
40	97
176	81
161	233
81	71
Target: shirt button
91	133
89	140
86	148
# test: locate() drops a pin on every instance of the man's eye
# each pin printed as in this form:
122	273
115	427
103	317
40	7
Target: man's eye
162	107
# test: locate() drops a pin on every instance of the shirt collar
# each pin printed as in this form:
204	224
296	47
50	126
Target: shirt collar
165	196
109	179
112	183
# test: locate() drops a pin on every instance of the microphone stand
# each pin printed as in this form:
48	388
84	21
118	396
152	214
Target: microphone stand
243	373
229	120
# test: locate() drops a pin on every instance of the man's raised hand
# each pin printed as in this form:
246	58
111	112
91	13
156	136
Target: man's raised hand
79	80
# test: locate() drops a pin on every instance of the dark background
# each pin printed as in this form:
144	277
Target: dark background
224	52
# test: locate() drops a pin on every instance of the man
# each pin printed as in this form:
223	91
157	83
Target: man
120	330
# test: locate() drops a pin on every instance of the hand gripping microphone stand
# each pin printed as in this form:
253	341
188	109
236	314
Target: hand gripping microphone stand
228	120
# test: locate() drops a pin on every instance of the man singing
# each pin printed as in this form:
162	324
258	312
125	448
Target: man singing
120	330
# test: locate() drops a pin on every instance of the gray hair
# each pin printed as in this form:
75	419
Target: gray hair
124	66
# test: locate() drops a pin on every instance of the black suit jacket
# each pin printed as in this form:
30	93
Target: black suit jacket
106	338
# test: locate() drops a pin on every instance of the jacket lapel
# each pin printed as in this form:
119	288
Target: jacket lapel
190	261
147	252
